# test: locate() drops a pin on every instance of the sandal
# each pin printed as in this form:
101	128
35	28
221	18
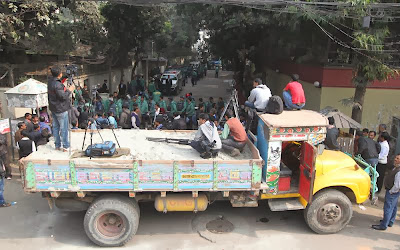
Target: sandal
5	205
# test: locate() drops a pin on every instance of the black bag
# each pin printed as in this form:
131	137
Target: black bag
275	105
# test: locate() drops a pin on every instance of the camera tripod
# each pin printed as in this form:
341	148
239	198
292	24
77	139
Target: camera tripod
233	99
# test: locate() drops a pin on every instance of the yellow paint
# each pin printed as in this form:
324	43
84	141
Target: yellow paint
278	196
380	105
181	202
196	176
336	169
303	201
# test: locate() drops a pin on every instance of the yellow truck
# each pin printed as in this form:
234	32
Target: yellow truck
288	166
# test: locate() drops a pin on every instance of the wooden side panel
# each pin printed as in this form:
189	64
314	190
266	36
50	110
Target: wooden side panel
155	176
234	176
198	176
52	177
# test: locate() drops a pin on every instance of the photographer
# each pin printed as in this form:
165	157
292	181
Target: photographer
59	104
206	140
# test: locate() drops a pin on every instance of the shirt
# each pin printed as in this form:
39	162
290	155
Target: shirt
112	121
26	139
382	158
44	125
297	92
396	186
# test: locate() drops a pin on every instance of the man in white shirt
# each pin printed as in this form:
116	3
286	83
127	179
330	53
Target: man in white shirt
259	96
383	139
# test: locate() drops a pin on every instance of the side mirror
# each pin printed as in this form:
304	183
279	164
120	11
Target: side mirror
320	149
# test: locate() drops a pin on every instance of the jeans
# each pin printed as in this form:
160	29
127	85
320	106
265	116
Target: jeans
251	105
389	209
2	201
287	97
372	161
60	129
381	168
230	144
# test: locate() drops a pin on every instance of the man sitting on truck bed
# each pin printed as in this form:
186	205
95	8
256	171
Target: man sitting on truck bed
233	136
206	140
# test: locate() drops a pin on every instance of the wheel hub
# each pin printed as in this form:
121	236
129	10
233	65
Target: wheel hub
330	213
110	224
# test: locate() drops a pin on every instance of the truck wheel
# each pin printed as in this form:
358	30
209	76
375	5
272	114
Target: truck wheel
112	220
330	212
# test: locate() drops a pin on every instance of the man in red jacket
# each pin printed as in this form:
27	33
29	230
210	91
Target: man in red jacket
293	94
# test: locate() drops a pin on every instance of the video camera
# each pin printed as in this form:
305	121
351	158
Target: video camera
70	71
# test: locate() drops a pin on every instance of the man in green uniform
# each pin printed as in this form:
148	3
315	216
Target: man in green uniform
162	104
190	113
133	86
144	110
181	106
156	96
152	86
172	106
141	83
152	107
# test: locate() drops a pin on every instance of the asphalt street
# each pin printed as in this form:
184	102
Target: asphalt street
30	224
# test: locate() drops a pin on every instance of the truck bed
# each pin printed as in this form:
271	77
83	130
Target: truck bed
152	166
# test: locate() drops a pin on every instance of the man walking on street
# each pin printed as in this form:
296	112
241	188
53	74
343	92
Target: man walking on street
3	156
59	104
392	186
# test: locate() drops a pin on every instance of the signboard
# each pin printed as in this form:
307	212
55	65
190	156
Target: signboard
5	126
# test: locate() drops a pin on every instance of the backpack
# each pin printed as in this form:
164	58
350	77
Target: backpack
106	148
275	105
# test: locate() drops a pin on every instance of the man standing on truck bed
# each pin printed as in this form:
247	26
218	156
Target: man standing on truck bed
59	104
392	185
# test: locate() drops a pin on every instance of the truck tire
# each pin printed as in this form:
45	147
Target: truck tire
330	212
112	220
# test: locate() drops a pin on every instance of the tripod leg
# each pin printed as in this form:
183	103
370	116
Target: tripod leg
223	112
84	138
115	137
98	131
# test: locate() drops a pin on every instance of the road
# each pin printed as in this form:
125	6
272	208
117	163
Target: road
30	224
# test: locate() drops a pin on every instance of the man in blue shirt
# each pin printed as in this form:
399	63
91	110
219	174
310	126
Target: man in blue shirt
43	124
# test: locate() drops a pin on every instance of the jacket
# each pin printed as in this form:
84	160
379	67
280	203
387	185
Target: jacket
178	123
390	177
208	131
368	148
125	119
3	144
330	142
260	96
58	96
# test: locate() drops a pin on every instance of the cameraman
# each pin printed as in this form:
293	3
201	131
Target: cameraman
59	104
206	140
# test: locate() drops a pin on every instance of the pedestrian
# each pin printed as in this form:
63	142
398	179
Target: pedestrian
163	105
181	106
372	135
59	104
233	136
392	186
144	110
206	140
4	156
365	132
293	94
73	115
178	123
216	72
384	139
122	89
332	134
111	120
209	104
125	120
28	122
3	203
21	127
190	113
43	124
25	146
259	96
367	148
135	118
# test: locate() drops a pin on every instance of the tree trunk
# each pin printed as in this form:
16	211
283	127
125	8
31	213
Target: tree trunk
357	109
11	76
110	89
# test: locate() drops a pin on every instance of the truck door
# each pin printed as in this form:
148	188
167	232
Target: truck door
307	171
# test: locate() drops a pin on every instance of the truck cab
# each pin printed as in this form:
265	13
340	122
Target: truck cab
300	174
